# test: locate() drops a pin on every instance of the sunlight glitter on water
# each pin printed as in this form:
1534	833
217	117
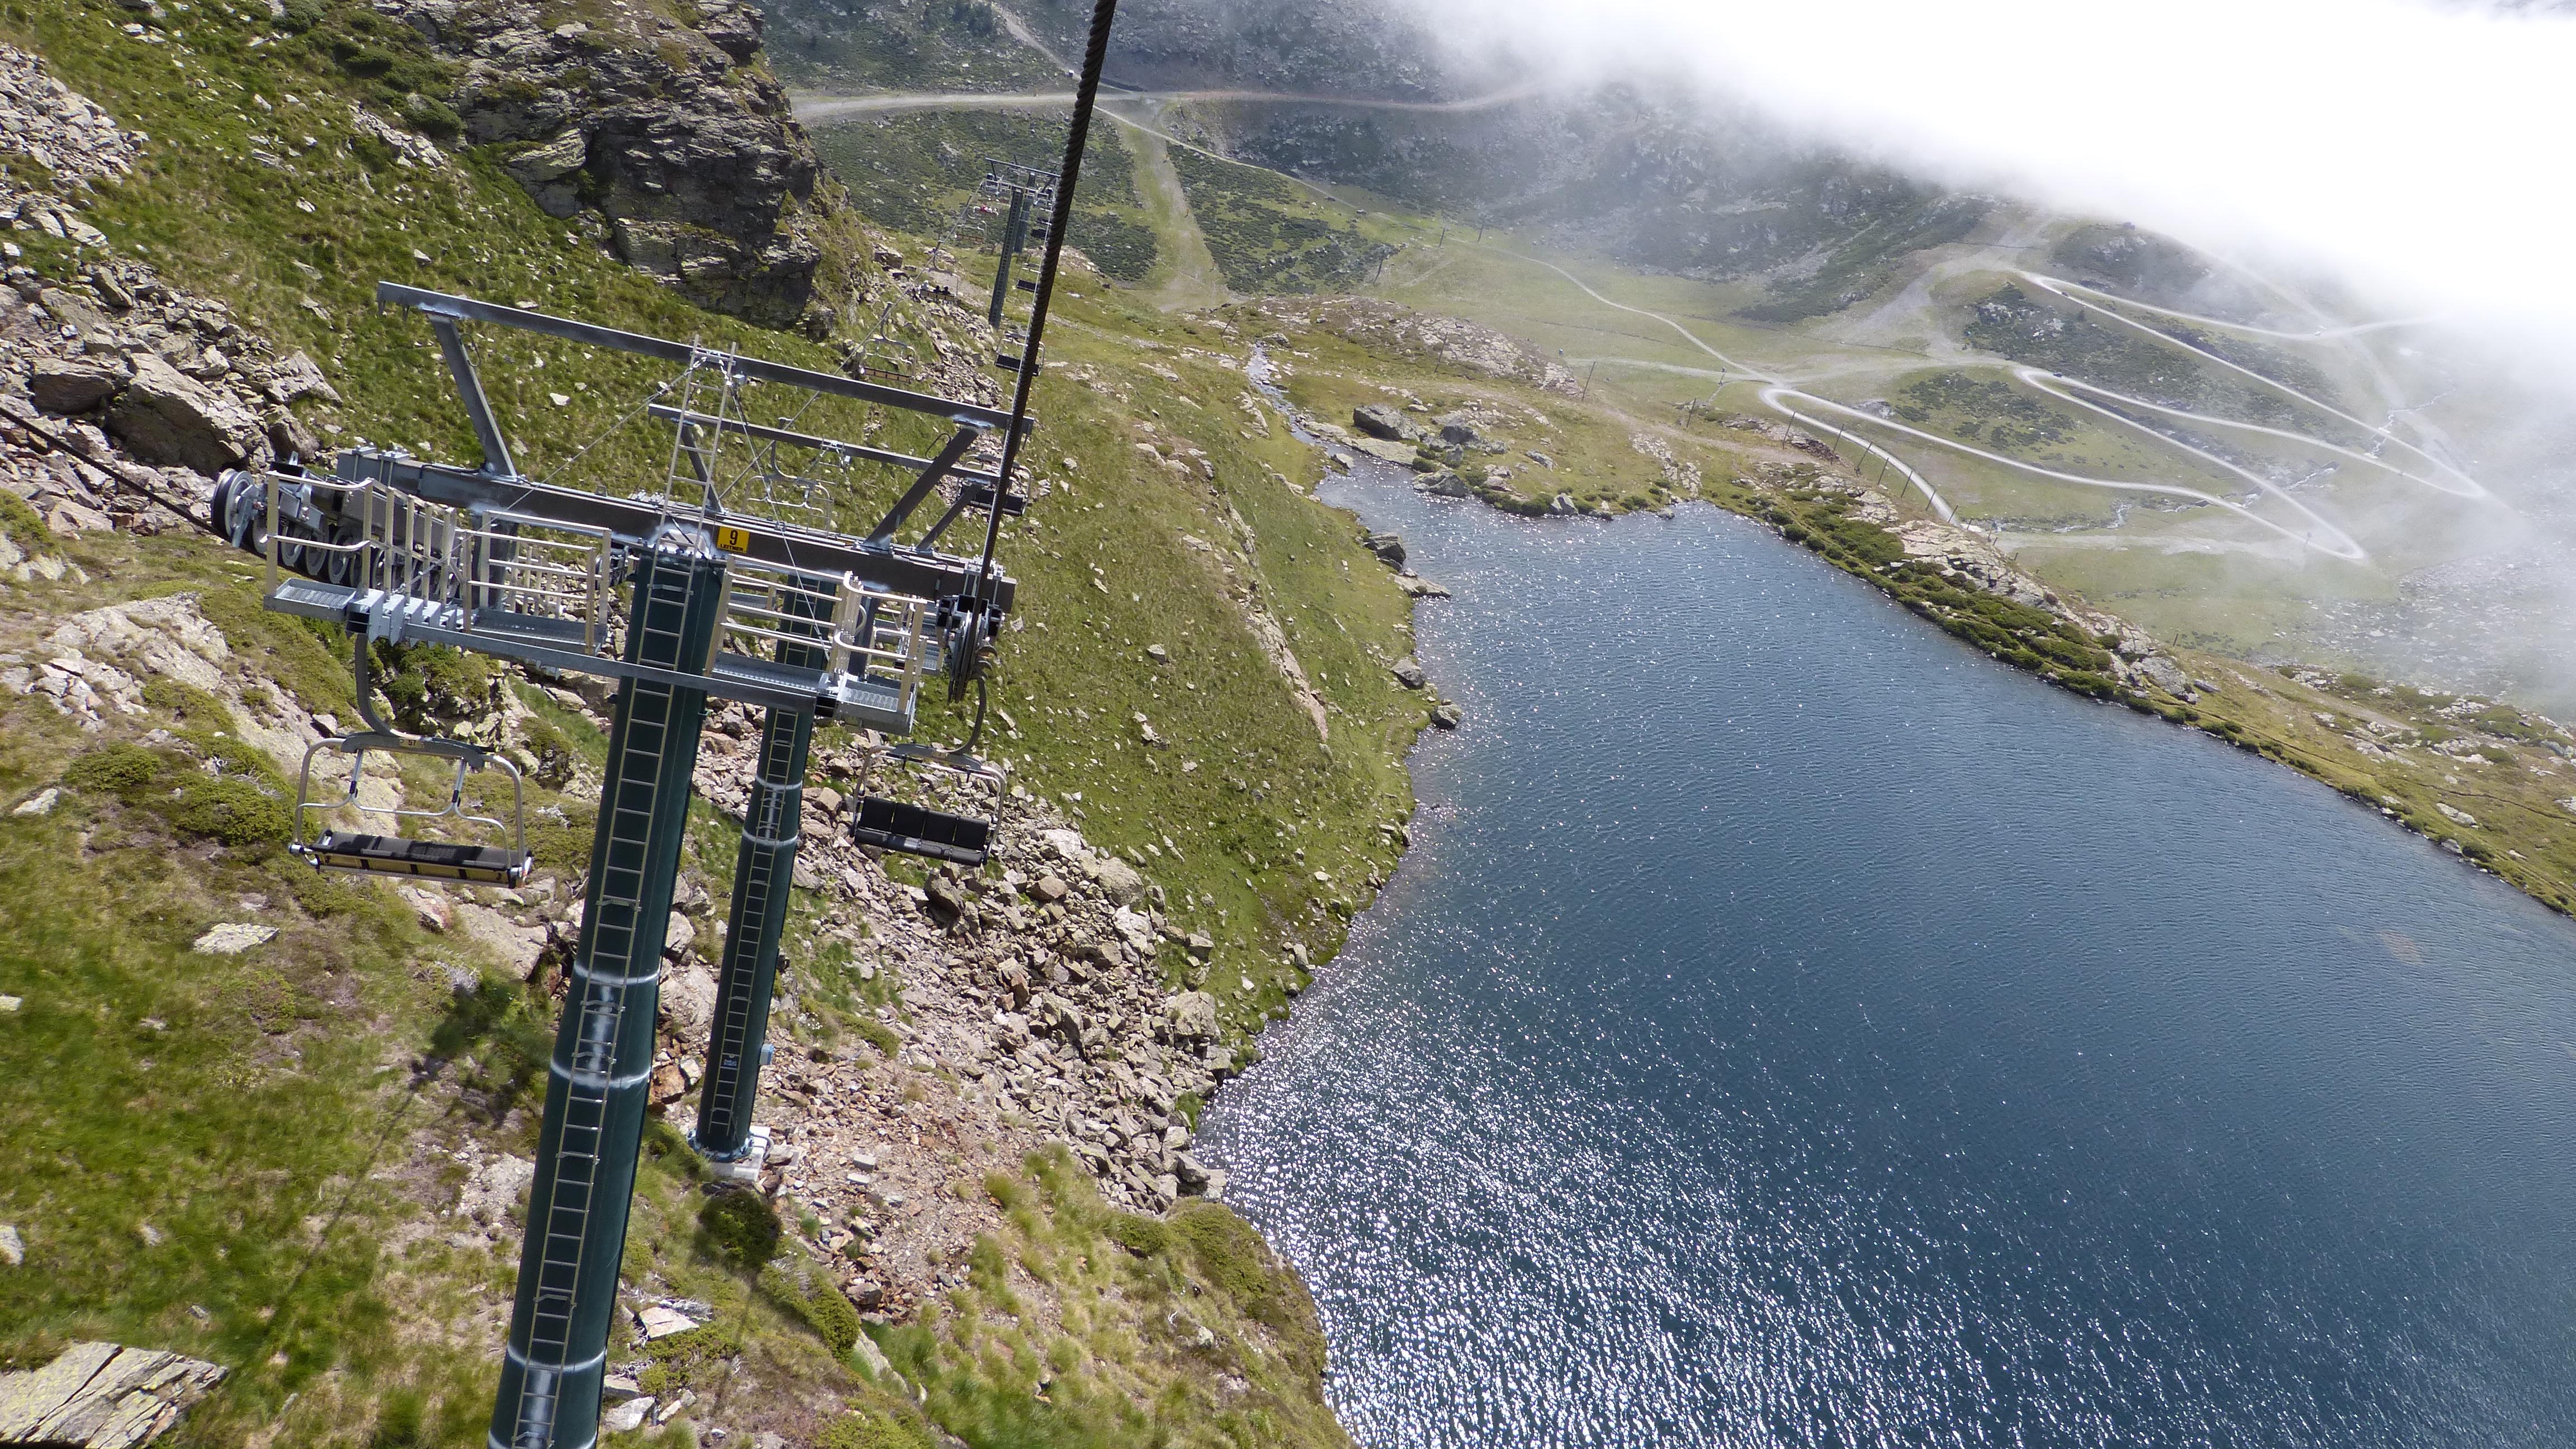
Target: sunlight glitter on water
1791	1028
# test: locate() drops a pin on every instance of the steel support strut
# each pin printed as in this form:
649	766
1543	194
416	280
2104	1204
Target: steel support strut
763	874
600	1083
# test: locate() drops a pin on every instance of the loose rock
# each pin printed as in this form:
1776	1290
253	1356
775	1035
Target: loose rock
233	938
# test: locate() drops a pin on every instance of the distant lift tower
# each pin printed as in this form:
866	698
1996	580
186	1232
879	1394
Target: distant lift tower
1023	191
684	590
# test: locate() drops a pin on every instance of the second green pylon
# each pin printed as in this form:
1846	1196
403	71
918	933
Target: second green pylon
754	922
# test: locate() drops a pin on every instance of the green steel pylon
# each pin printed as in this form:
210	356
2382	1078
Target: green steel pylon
763	874
601	1079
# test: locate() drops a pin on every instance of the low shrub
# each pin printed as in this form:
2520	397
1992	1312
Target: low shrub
738	1227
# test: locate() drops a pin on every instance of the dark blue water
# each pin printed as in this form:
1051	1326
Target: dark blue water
1792	1029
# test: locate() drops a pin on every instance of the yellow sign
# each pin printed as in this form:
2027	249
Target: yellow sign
733	540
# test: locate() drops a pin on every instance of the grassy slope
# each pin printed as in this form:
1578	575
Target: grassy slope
912	171
1270	236
269	1128
949	45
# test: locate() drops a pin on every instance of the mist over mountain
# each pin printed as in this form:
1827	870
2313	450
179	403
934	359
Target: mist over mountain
2326	169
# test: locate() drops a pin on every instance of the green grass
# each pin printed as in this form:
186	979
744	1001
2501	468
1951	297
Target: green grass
911	173
1245	782
2064	338
2020	422
936	45
1587	442
1853	267
212	1149
1267	235
1190	1333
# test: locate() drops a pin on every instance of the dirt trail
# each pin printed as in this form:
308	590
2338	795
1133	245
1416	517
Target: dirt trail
1192	278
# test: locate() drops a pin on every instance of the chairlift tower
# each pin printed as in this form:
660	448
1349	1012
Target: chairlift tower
697	588
1024	192
682	593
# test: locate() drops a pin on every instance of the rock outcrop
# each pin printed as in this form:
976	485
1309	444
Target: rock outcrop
674	139
1390	327
164	416
102	1396
119	394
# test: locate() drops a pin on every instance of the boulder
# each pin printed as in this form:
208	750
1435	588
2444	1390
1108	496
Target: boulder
289	438
295	377
73	311
1192	1015
496	1188
63	388
1380	421
1120	880
1457	430
102	1396
1446	715
548	170
672	135
689	995
1386	451
1408	672
166	417
733	27
67	518
2164	674
1388	547
515	946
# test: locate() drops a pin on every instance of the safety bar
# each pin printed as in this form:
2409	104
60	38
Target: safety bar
467	758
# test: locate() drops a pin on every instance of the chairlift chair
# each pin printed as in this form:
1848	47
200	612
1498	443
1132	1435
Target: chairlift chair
442	860
963	837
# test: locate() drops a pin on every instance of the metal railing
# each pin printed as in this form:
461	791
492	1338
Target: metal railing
884	638
505	573
521	567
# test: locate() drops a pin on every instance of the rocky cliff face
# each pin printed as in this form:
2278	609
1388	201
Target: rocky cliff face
661	125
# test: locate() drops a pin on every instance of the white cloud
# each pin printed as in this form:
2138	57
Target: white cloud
2423	154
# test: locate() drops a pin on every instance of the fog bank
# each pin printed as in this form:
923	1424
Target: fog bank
2417	153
